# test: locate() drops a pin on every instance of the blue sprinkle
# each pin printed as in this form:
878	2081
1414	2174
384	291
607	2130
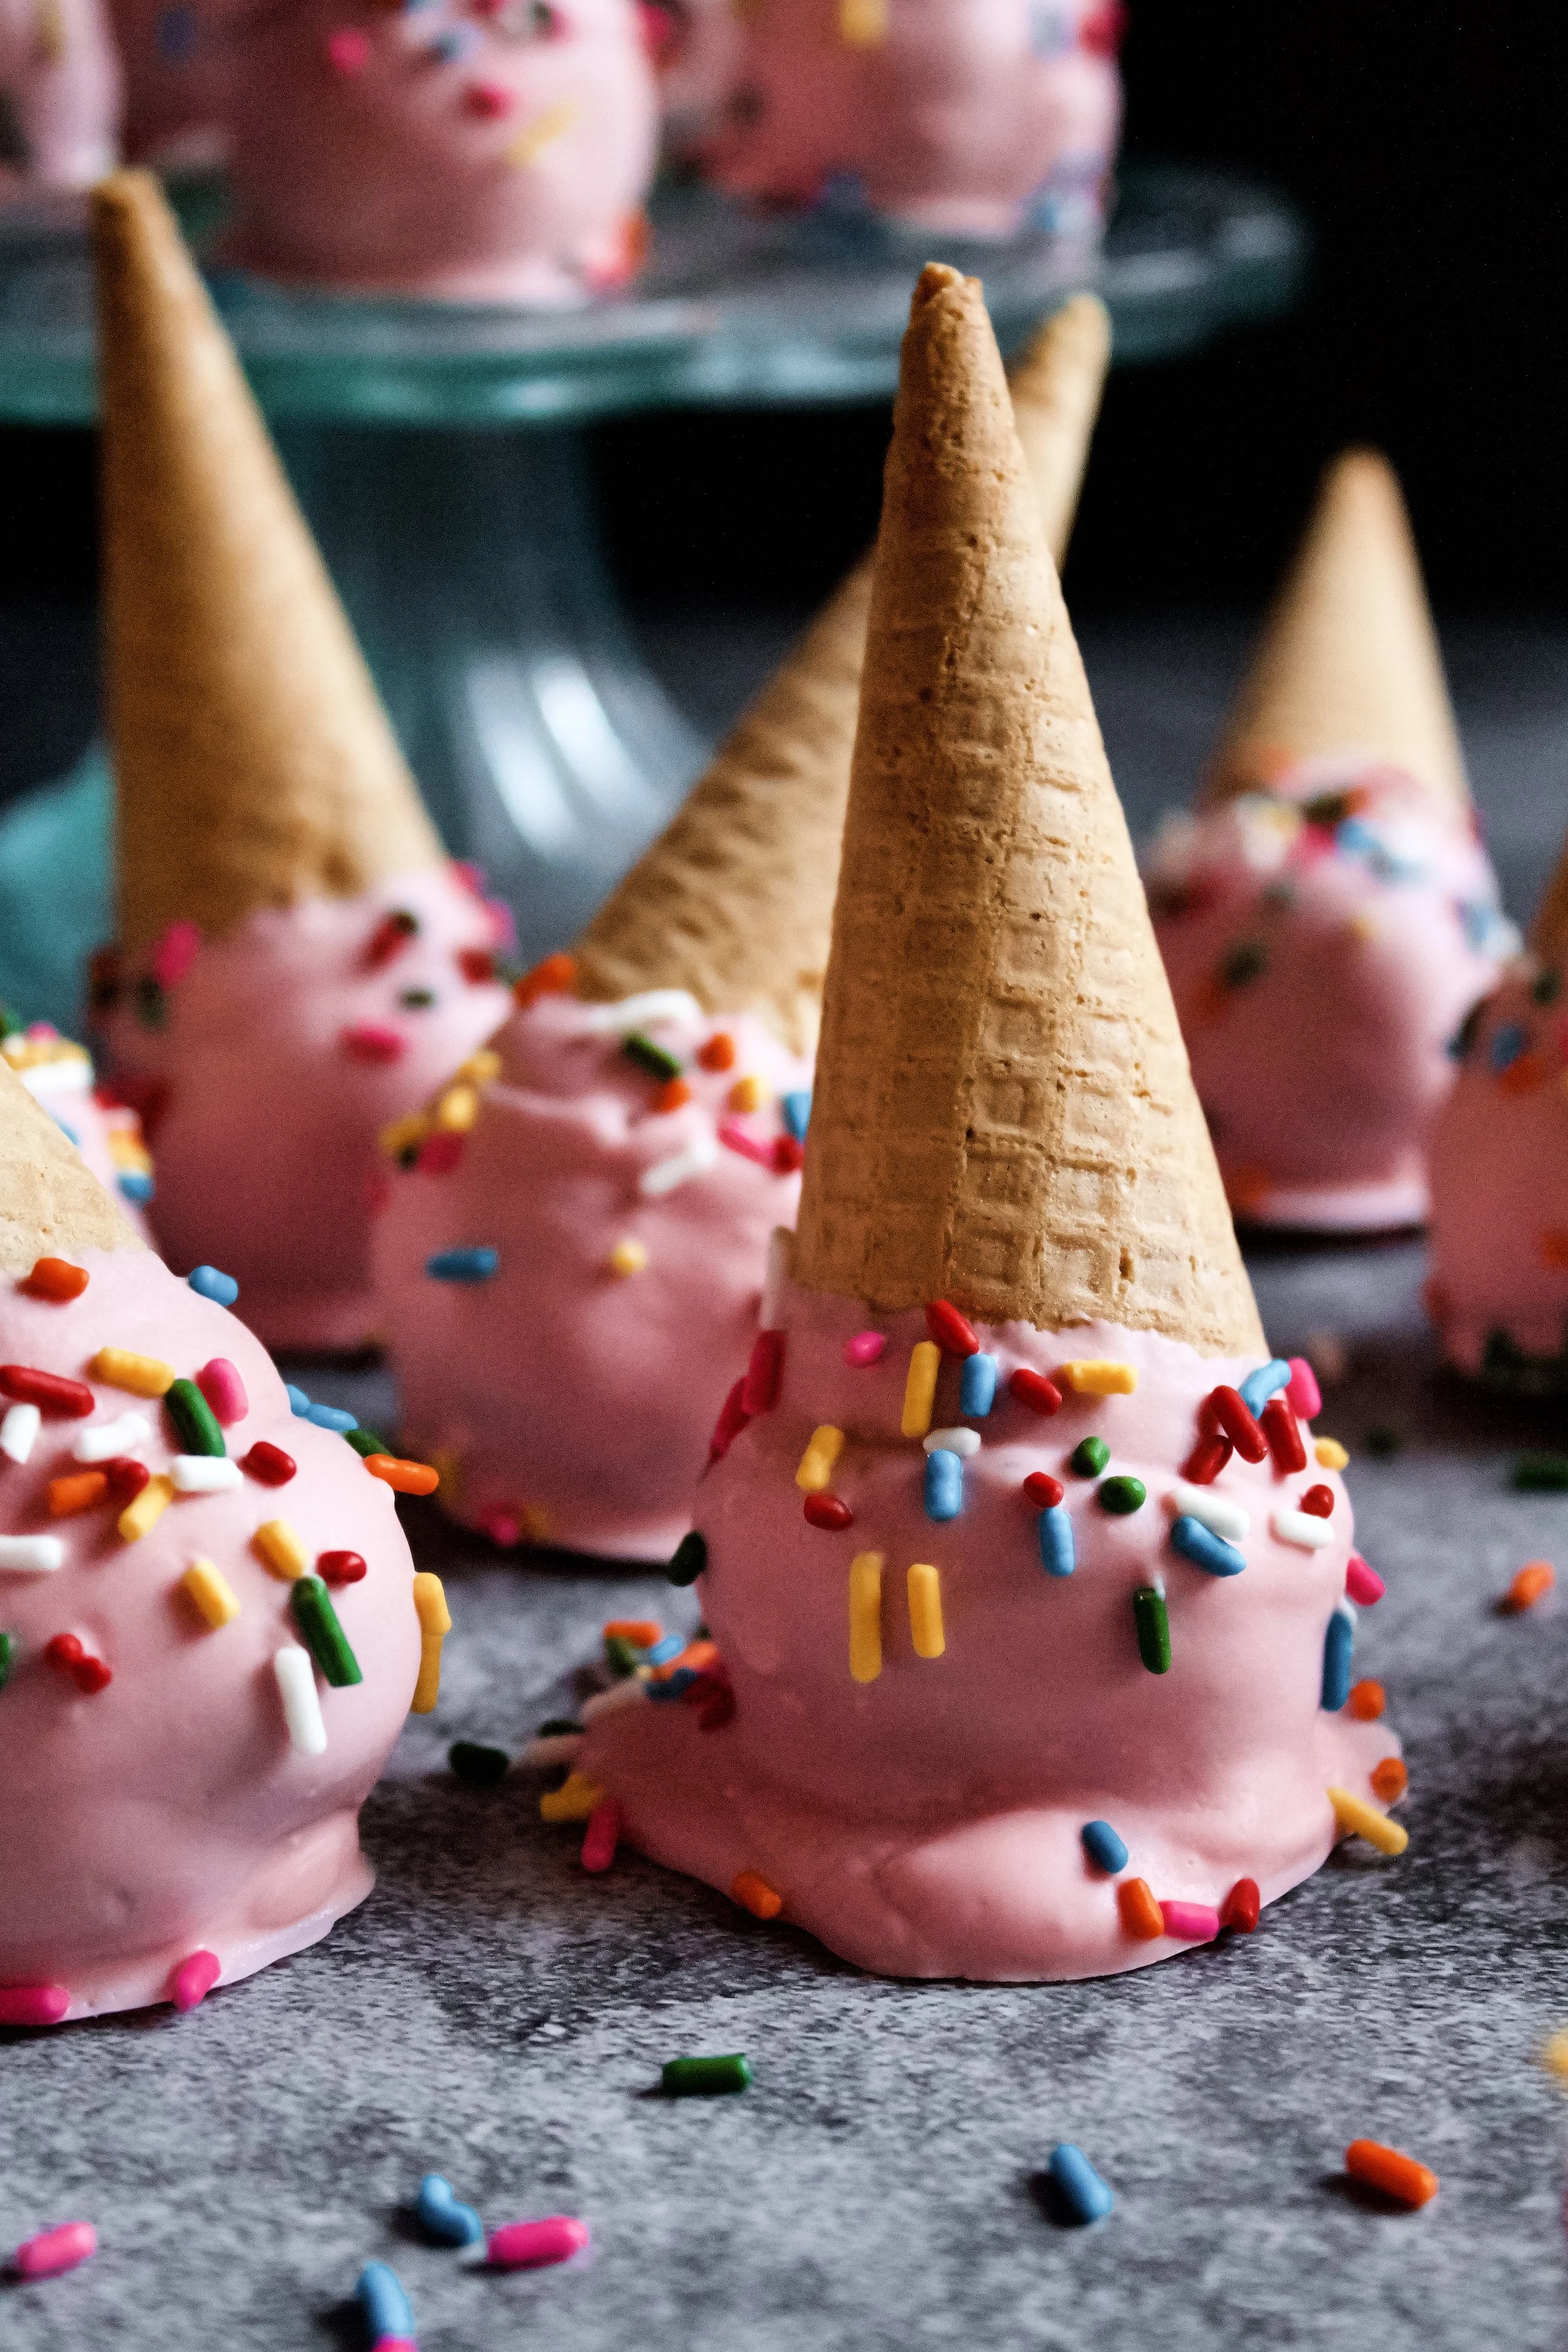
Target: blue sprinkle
1508	1044
1084	2193
1103	1846
174	35
796	1110
387	2310
299	1403
452	46
442	2218
1337	1643
1265	1381
1205	1549
69	1131
944	1485
214	1285
977	1386
680	1680
462	1265
1055	1541
136	1187
327	1416
662	1652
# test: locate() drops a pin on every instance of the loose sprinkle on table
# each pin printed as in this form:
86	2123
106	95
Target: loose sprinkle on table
602	1836
1531	1583
705	2078
54	2252
389	2313
1397	2176
574	1801
1081	2187
442	2218
1540	1474
533	2245
481	1767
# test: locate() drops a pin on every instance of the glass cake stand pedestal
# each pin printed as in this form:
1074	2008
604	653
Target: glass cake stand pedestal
439	454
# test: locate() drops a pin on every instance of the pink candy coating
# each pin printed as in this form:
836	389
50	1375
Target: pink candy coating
602	1836
1362	1583
195	1978
866	1347
1303	1395
175	953
224	1391
530	2245
1190	1923
32	2004
53	2252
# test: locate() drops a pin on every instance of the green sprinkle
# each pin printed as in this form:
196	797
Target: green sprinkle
1327	808
481	1767
1540	1474
690	1559
1242	964
621	1656
1123	1496
1280	894
194	1422
1545	987
1383	1445
557	1727
366	1441
311	1606
1089	1458
7	1657
417	999
1153	1629
10	1026
151	1009
649	1056
704	2078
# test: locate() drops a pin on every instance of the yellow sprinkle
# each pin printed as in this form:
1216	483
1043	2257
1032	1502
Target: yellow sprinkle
536	1523
572	1802
1362	927
816	1462
1355	1814
1330	1454
925	1611
143	1375
435	1624
544	132
920	1388
400	1135
1097	1376
748	1094
866	1616
147	1509
456	1110
862	24
629	1257
282	1549
1555	2054
128	1151
482	1067
211	1592
448	1469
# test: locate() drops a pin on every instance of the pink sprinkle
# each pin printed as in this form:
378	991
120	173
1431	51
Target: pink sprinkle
1303	1395
32	2004
195	1978
601	1835
175	953
439	1153
732	1418
528	2245
488	101
502	1527
760	1390
1190	1923
370	1041
54	2251
866	1347
736	1138
1362	1583
224	1389
348	52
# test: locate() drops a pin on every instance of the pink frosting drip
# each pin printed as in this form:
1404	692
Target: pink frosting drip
167	1814
61	74
1500	1185
1321	1072
575	1403
265	1104
929	1822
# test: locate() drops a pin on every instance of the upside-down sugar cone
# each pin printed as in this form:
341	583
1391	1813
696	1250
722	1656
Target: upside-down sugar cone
254	764
1349	660
1549	931
51	1205
734	900
1004	1115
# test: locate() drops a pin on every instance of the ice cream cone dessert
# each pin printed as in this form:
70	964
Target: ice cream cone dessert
1327	914
297	960
569	1301
211	1632
61	82
1025	1582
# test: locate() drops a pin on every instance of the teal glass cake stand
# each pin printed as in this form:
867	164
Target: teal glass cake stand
440	453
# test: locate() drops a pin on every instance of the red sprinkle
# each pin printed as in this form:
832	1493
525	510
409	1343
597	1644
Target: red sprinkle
370	1041
55	1279
1229	1408
440	1152
477	965
48	1390
829	1511
1207	1460
1241	1906
732	1418
1044	1491
1364	1584
126	1478
488	101
760	1389
91	1674
1317	1502
1033	1389
340	1567
788	1155
269	1463
554	977
951	1330
718	1053
1284	1435
390	937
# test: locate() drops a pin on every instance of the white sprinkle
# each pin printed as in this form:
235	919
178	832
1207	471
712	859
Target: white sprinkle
962	1442
1300	1529
665	1175
1210	1510
32	1553
1157	1581
69	1077
625	1694
19	1430
203	1473
541	1755
302	1707
639	1011
781	1257
107	1438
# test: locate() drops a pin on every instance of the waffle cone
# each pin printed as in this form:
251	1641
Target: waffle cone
1549	932
1349	659
734	900
1003	1114
51	1205
254	764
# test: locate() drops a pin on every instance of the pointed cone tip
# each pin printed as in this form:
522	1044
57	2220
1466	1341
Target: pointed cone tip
51	1205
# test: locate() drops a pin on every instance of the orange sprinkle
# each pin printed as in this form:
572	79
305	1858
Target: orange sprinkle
1397	2176
80	1492
671	1095
1554	1250
55	1279
755	1895
1389	1779
718	1052
1531	1583
1247	1188
1366	1701
553	977
642	1633
1140	1914
696	1659
403	1478
1522	1077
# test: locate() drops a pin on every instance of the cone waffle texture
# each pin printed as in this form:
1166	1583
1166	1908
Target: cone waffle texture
51	1205
1003	1114
254	764
734	900
1349	659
